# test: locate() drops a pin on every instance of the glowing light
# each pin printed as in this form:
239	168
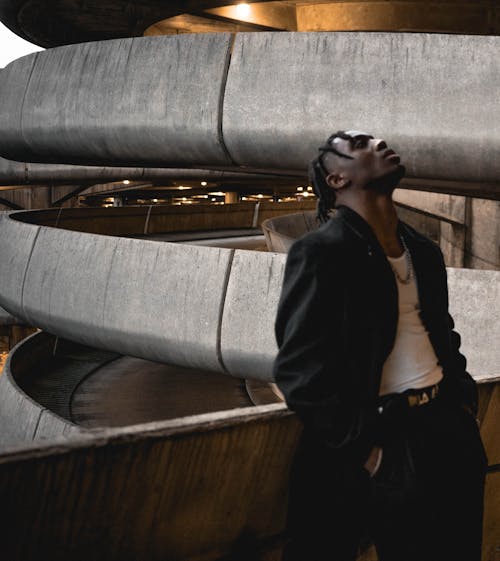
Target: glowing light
155	200
309	188
244	198
182	188
184	198
243	10
203	183
300	188
126	182
260	196
217	193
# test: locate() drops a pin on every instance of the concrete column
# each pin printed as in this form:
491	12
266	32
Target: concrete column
33	197
231	197
483	235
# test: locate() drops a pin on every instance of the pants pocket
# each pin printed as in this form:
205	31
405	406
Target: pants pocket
395	480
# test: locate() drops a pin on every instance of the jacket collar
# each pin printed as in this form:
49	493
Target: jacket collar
363	230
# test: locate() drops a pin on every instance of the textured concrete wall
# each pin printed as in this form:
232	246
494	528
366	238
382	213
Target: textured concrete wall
483	247
22	419
20	173
419	91
206	487
132	102
187	305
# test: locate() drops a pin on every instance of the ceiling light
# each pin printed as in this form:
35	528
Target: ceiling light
126	182
203	183
243	10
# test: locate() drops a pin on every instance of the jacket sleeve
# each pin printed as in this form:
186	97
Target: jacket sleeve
310	368
465	384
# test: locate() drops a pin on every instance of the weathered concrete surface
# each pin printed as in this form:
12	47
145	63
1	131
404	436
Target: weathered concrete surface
247	333
8	319
285	94
475	306
17	241
22	418
483	247
195	488
21	173
168	302
449	208
296	89
123	102
127	295
14	81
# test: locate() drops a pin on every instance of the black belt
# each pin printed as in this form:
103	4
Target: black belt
407	399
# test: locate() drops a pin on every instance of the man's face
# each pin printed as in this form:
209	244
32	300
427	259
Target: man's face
372	165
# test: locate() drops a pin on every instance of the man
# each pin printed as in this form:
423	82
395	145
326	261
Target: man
369	361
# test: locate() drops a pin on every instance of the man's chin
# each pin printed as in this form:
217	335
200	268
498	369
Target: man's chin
387	183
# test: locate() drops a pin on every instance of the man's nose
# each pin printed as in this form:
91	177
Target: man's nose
380	144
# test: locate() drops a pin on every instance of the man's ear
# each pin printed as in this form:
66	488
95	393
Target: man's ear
337	181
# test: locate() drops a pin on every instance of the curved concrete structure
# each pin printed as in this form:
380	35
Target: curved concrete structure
122	295
62	22
148	103
265	109
26	173
51	387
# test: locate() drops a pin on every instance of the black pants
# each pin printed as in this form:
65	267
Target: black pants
425	502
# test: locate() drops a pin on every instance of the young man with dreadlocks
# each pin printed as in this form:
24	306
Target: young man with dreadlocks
369	361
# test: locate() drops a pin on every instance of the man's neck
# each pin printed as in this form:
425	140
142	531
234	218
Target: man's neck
380	213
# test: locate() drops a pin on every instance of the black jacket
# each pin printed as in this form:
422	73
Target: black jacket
336	325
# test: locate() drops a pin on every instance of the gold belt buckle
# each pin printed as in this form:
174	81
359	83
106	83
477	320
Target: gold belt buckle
424	397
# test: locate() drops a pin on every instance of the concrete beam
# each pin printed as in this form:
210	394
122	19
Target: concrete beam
14	174
296	89
141	100
88	103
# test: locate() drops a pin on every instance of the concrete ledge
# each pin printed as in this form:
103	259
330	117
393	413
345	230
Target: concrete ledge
187	305
25	173
15	250
8	319
126	101
297	88
248	344
475	307
148	299
195	488
89	103
22	419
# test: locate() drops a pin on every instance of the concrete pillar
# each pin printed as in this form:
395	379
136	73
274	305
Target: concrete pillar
32	197
483	235
231	197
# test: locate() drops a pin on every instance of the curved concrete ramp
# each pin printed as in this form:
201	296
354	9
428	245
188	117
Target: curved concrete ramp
179	100
25	173
52	387
194	306
132	100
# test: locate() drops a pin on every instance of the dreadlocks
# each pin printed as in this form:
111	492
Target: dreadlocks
318	174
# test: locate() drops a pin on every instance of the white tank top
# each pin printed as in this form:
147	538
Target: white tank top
412	362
